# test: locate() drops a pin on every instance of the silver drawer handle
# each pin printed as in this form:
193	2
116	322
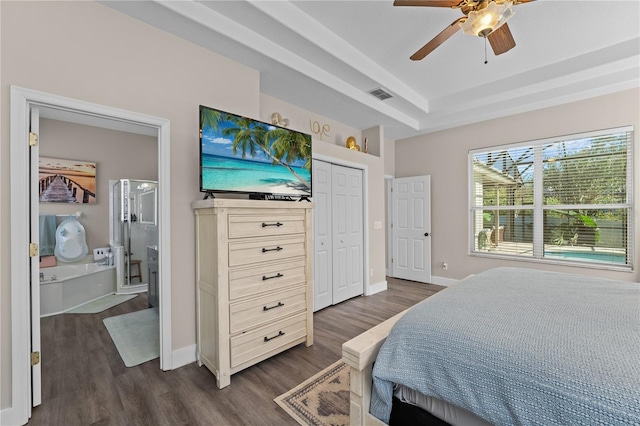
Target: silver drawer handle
264	250
277	224
278	275
264	308
280	333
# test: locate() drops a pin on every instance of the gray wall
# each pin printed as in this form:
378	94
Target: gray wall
443	155
87	51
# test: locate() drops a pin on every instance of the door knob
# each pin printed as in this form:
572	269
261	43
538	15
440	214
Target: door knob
426	234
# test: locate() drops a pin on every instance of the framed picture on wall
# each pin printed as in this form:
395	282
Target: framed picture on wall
67	181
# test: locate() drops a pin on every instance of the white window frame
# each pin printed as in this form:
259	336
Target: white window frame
538	206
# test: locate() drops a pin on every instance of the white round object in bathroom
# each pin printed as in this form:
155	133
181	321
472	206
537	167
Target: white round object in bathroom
71	241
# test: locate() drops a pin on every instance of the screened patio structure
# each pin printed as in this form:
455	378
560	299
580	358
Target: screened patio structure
559	200
496	182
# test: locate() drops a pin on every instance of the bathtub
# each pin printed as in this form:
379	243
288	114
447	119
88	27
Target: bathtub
68	286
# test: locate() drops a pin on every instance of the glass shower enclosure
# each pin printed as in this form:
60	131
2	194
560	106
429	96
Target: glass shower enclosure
133	227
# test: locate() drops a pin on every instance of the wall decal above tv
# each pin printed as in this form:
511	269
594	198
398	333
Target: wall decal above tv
242	155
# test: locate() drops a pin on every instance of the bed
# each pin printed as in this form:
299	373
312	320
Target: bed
507	346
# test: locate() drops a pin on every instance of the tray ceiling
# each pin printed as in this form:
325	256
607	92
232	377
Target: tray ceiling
326	55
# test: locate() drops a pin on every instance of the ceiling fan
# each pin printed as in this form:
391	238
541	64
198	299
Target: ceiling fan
483	18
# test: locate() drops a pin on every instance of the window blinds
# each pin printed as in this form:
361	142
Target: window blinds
565	199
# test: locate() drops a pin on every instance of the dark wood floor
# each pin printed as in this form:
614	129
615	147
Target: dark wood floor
85	382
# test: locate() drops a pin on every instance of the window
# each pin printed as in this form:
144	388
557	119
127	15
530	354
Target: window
566	199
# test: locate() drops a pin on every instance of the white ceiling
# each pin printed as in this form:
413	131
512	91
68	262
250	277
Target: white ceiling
325	55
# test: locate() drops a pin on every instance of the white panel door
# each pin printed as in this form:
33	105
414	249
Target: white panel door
348	234
34	153
322	241
411	198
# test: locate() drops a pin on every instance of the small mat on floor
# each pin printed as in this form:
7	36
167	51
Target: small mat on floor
102	304
136	335
321	400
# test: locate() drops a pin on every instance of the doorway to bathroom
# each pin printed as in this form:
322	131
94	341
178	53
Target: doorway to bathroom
25	285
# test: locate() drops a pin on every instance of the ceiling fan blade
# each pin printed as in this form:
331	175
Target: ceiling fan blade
438	40
501	40
428	3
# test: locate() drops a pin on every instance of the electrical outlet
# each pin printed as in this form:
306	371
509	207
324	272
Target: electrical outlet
445	266
371	272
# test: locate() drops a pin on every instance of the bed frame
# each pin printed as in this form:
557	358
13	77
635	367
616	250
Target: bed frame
359	353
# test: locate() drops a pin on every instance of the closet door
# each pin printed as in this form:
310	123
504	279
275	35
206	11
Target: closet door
322	241
348	237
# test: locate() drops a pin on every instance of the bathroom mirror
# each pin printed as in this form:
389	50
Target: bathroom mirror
147	207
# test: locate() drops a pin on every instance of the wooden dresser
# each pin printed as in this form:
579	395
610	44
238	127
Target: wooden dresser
254	274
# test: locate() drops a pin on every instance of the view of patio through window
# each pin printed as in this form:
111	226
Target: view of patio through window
564	199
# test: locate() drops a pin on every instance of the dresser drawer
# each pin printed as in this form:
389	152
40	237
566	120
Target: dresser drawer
256	343
241	226
256	312
247	252
269	277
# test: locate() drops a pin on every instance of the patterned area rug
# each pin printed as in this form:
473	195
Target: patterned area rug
322	400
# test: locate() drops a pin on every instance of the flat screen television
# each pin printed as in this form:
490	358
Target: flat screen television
243	155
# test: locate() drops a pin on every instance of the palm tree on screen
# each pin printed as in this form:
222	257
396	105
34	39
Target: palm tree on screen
246	136
277	144
289	147
210	118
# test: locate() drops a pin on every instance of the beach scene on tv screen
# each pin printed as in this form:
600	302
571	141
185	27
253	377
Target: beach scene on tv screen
241	154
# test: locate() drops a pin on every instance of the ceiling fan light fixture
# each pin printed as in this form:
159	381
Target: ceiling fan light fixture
483	22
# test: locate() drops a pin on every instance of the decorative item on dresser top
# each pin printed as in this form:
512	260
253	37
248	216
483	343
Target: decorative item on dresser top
254	281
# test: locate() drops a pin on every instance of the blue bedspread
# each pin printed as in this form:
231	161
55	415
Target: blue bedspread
519	347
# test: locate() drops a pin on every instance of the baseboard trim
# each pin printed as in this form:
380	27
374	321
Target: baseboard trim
6	417
376	288
183	356
443	281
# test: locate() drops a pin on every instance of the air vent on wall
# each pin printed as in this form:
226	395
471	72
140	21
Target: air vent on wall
380	93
